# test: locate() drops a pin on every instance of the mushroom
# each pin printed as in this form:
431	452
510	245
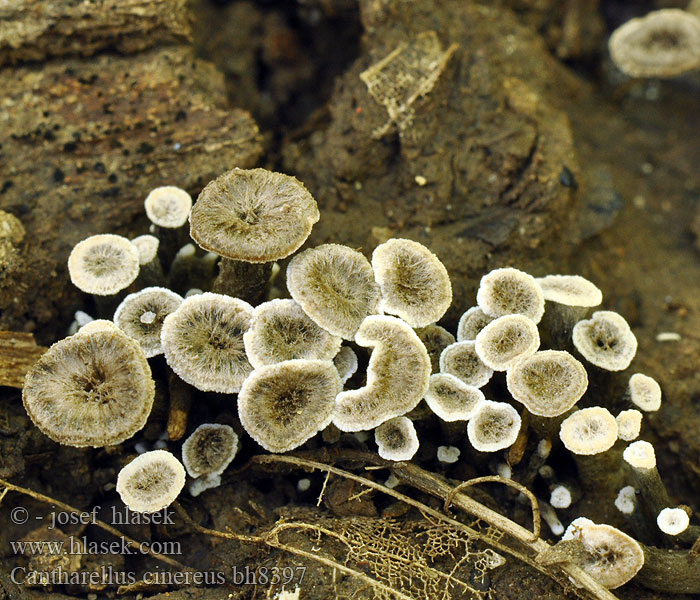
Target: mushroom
206	453
414	283
103	264
560	497
510	291
664	43
203	342
280	330
140	316
641	458
168	208
396	439
151	481
346	363
281	406
150	268
629	424
451	399
569	297
589	431
99	325
626	500
90	389
461	360
335	286
605	340
435	339
192	269
548	383
494	426
506	340
254	217
471	323
397	375
644	392
448	454
673	521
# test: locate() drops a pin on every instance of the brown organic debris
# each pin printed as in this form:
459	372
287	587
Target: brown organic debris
18	352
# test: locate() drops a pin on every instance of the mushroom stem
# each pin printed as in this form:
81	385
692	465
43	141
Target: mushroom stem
150	275
244	280
180	403
670	571
171	240
601	472
558	323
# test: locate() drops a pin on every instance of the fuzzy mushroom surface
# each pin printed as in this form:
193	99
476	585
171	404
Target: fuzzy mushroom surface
209	449
510	291
451	399
589	431
396	439
570	290
506	340
605	340
151	481
103	264
168	206
461	360
494	426
283	405
203	342
644	392
471	323
90	389
253	215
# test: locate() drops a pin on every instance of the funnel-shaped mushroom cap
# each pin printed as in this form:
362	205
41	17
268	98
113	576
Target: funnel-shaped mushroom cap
570	290
435	339
589	431
461	360
451	399
253	215
283	405
610	556
605	340
346	363
335	286
506	340
629	424
644	392
664	43
397	375
510	291
168	206
203	342
414	283
90	389
396	439
103	264
147	248
548	383
140	316
495	426
673	521
280	330
640	455
471	323
151	481
209	449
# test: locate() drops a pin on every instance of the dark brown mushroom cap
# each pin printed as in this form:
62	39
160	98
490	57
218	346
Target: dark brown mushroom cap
253	215
91	389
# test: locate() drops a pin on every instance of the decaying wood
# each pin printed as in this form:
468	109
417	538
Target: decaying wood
36	29
18	352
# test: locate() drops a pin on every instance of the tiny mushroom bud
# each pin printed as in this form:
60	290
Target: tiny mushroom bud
461	360
560	497
209	449
664	43
471	323
626	500
414	283
396	439
151	481
448	454
90	389
283	405
335	286
346	363
203	342
589	431
151	270
398	375
605	340
495	426
548	383
510	291
435	339
140	316
103	264
629	424
506	340
280	330
168	206
451	399
673	521
644	392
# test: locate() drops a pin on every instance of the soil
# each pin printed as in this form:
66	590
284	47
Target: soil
518	144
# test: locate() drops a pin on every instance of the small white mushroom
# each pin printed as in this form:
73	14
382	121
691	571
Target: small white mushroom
461	360
589	431
471	323
448	454
209	449
560	497
506	340
605	340
396	439
626	500
629	424
510	291
570	290
103	264
673	521
495	426
435	339
168	206
451	399
644	392
151	481
346	363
